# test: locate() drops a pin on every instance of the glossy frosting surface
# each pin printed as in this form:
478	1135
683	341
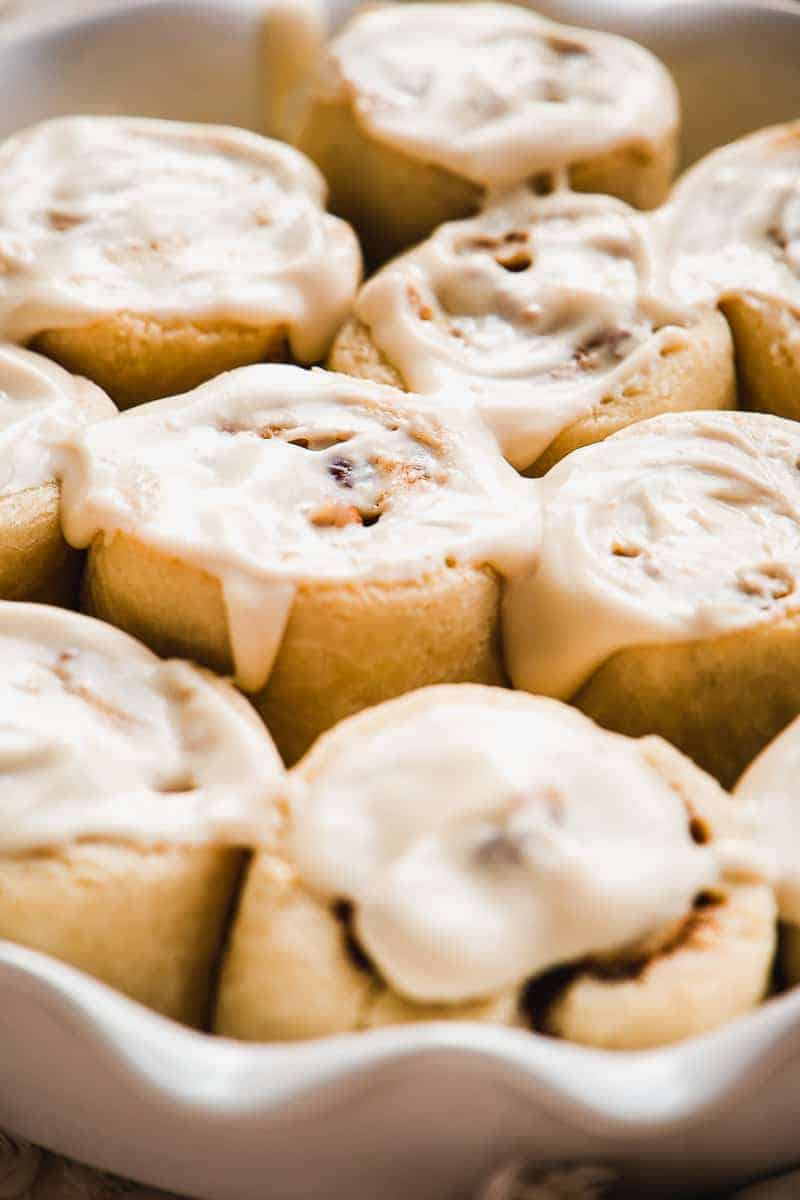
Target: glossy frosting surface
733	223
38	402
100	739
675	529
484	837
494	92
103	215
271	476
533	311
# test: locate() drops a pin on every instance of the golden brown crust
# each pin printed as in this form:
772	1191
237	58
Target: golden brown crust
35	561
345	647
289	972
766	334
137	358
637	174
147	922
699	375
682	379
354	353
719	700
394	200
718	968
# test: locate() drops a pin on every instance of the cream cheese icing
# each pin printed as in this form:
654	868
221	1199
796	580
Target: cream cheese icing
675	529
494	92
533	311
100	739
38	401
271	476
483	838
103	215
733	223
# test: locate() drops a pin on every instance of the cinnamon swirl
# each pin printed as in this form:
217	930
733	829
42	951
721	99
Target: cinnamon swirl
548	314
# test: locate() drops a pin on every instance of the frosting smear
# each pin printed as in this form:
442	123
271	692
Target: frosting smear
271	476
482	844
678	528
496	93
105	215
533	311
100	739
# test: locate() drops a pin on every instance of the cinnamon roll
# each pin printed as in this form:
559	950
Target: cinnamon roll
674	549
415	114
329	541
733	229
476	853
152	255
128	787
550	316
38	402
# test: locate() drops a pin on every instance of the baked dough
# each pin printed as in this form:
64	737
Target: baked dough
733	232
152	255
665	596
38	402
329	541
129	788
450	852
551	316
415	114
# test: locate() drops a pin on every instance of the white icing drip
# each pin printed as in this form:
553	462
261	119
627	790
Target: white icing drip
675	529
733	222
483	839
271	476
102	215
38	402
100	739
496	93
533	312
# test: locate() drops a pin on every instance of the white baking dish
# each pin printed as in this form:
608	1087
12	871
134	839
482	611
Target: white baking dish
417	1111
